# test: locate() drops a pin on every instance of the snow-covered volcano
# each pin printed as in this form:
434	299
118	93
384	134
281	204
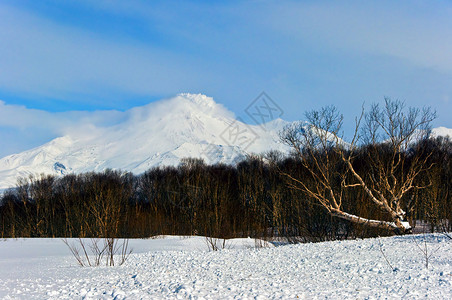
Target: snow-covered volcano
157	134
160	133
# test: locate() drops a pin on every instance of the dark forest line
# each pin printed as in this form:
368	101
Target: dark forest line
252	199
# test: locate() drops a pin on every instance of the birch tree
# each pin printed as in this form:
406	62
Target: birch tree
390	136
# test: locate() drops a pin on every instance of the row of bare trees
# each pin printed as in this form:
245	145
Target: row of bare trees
250	199
75	205
389	174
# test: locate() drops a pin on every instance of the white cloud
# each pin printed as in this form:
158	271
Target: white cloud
22	128
23	118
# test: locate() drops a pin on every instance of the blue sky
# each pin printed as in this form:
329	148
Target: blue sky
57	57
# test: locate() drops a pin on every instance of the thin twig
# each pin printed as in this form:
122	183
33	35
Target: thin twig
384	255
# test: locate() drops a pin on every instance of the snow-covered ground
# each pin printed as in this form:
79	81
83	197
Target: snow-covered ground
178	267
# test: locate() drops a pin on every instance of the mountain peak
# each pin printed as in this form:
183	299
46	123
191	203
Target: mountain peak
160	133
198	99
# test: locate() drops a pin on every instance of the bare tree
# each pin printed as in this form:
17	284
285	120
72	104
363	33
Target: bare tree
215	244
388	134
92	252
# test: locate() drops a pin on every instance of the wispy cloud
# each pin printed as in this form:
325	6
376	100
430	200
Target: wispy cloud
22	128
417	31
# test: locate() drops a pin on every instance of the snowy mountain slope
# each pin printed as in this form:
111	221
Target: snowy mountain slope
442	131
160	133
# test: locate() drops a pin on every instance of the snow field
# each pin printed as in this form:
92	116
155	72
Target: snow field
160	269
